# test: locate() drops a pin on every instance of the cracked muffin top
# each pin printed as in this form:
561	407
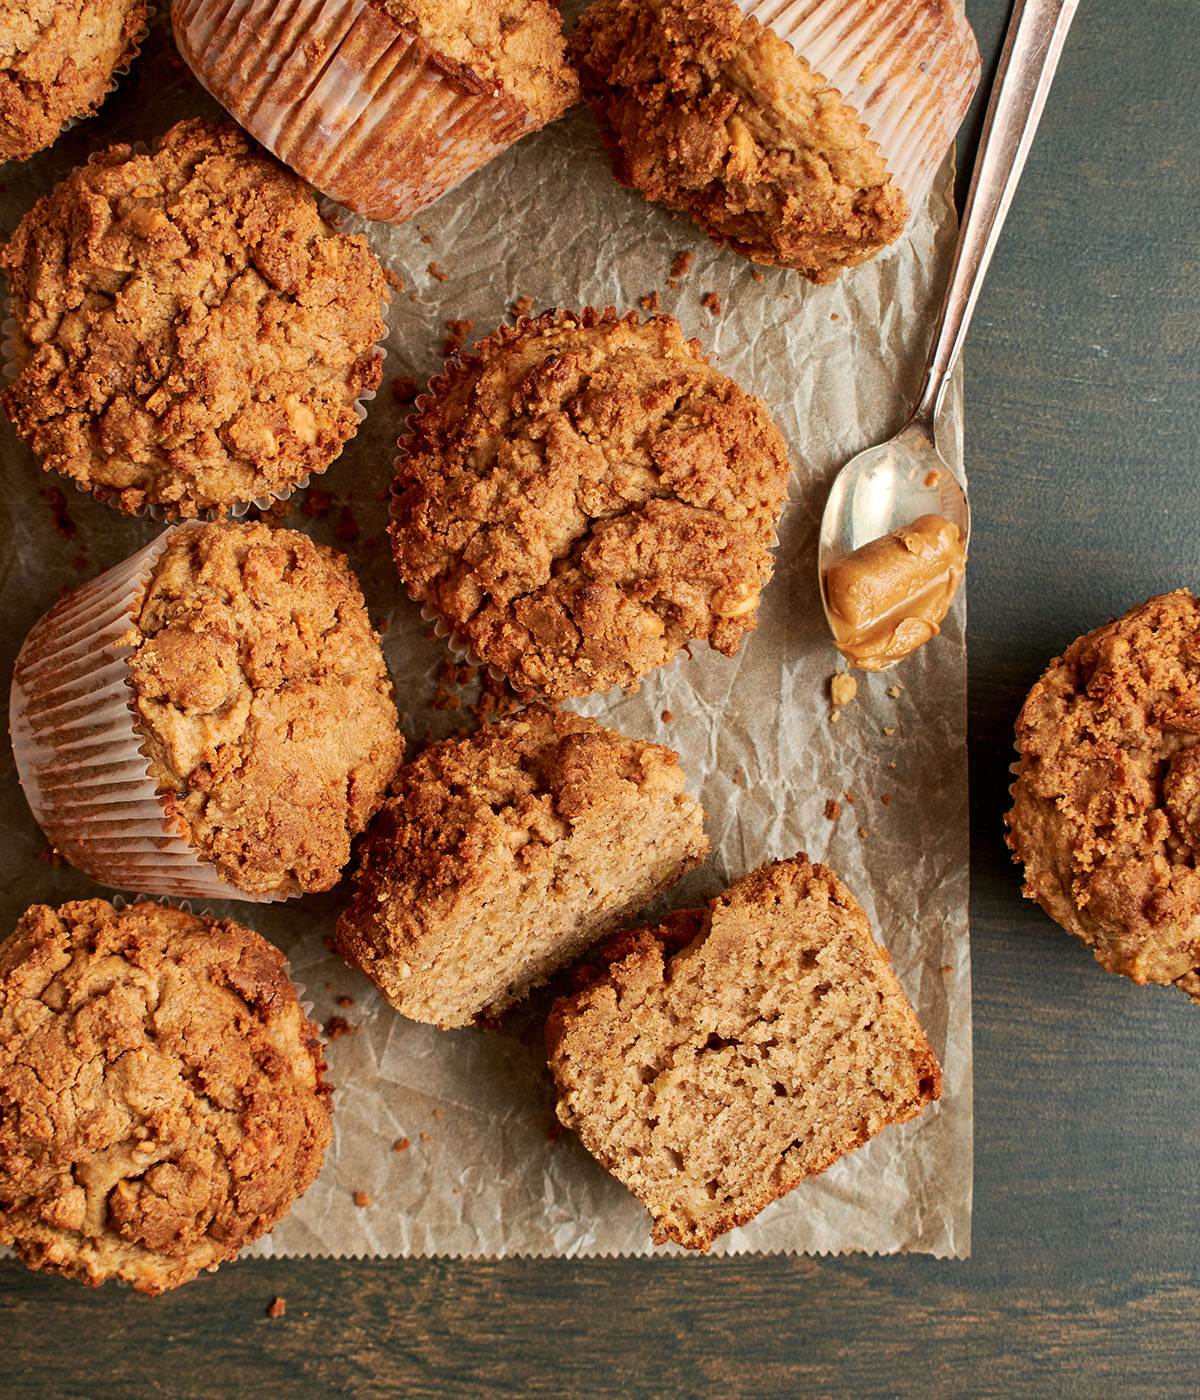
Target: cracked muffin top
516	46
263	703
161	1092
715	116
1106	803
189	334
583	495
57	59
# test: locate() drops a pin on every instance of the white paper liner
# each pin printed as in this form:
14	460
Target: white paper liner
77	750
353	103
907	68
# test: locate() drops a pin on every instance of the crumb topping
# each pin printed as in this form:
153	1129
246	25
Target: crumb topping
581	496
161	1098
1106	804
263	701
189	333
715	116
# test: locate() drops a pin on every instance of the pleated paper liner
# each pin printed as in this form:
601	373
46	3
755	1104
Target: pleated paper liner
369	113
78	752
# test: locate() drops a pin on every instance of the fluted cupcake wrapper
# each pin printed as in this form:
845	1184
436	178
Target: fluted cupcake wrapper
77	750
907	68
367	112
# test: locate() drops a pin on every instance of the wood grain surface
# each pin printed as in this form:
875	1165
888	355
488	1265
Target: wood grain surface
1083	448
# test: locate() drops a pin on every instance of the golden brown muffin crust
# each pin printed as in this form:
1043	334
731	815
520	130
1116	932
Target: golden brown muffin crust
1106	803
715	116
504	855
516	45
161	1092
734	1050
189	333
261	695
57	59
582	496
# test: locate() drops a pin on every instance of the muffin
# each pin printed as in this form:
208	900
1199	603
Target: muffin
213	717
801	142
382	104
737	1049
161	1092
506	854
189	333
57	60
583	495
1106	803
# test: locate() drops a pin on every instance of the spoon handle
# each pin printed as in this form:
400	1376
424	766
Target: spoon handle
1032	46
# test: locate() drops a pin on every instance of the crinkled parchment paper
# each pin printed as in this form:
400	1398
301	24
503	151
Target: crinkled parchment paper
484	1172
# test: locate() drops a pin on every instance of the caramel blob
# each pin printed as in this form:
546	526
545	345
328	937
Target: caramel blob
887	598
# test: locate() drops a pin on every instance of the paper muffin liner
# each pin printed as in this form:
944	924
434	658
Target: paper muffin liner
907	68
77	750
369	113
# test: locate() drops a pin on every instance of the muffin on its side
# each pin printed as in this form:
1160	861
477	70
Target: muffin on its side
582	495
382	104
802	136
263	731
505	855
161	1092
189	333
1106	803
57	60
734	1050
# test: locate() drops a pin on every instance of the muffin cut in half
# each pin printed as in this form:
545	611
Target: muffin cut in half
582	495
161	1092
734	1050
506	854
1106	802
190	334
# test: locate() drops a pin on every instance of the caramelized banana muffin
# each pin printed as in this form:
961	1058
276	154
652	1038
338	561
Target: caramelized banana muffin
57	60
161	1093
189	333
263	731
505	855
583	495
734	1050
1106	803
801	136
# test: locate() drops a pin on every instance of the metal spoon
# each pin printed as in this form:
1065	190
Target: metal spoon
892	484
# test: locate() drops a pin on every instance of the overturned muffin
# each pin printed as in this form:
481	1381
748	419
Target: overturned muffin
583	495
506	854
161	1092
189	333
263	730
801	136
1106	803
734	1050
57	60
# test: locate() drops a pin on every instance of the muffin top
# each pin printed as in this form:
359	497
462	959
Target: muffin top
713	115
57	59
189	332
161	1093
514	45
1106	804
263	704
583	495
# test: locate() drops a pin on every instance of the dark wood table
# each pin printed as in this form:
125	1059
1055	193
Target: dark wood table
1083	448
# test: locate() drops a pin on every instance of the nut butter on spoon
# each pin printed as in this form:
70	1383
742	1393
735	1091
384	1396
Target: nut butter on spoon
893	540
